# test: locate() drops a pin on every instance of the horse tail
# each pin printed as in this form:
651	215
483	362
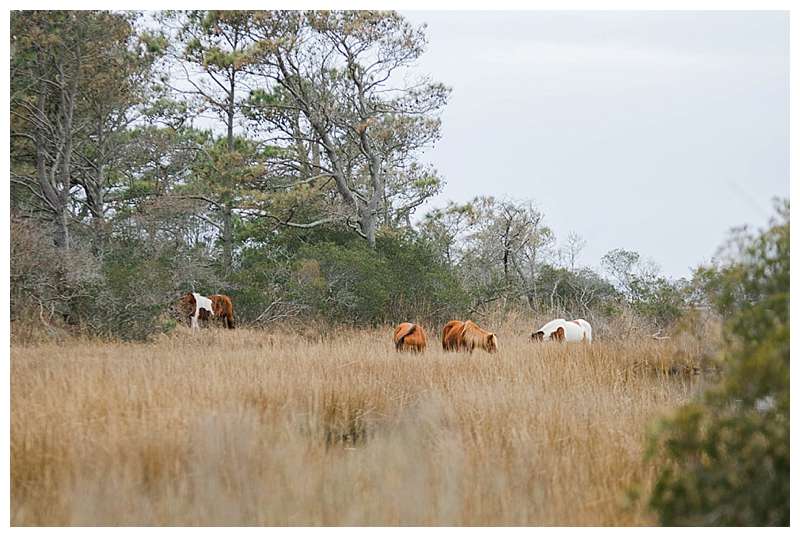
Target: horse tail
398	344
229	313
223	308
449	336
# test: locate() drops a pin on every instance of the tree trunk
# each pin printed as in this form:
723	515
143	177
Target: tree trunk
95	198
57	198
370	216
231	113
506	251
553	294
93	188
368	222
315	156
69	96
227	239
227	210
300	147
61	231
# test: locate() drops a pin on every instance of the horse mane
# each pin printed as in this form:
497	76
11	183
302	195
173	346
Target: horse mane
470	329
472	336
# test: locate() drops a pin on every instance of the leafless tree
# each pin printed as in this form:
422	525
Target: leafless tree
572	250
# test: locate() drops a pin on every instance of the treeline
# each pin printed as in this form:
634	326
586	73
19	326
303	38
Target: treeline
272	156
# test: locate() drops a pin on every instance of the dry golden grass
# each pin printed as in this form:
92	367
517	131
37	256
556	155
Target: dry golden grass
250	428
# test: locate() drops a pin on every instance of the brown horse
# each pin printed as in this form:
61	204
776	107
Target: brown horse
450	336
410	337
467	335
473	336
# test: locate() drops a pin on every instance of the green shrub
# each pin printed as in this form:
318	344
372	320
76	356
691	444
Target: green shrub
724	460
136	288
402	279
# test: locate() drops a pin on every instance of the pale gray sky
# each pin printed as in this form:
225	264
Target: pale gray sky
650	131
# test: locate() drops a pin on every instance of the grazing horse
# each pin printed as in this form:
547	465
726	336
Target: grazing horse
467	335
196	306
410	337
473	336
563	330
222	307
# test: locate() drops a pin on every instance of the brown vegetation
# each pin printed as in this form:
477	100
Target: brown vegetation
246	427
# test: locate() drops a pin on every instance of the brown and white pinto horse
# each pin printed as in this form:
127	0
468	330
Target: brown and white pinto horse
467	335
195	306
410	337
198	307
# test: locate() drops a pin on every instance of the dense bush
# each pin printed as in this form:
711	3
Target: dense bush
118	289
402	279
131	296
575	293
658	299
120	282
46	280
725	458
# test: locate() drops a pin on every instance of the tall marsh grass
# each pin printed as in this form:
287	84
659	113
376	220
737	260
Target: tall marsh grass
250	428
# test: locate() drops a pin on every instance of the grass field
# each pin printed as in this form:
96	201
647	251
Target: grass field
252	428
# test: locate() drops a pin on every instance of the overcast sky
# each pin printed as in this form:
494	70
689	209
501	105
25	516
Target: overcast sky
655	132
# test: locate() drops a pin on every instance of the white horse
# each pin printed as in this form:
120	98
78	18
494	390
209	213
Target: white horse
563	330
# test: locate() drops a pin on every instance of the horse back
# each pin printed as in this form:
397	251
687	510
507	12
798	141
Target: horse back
451	335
